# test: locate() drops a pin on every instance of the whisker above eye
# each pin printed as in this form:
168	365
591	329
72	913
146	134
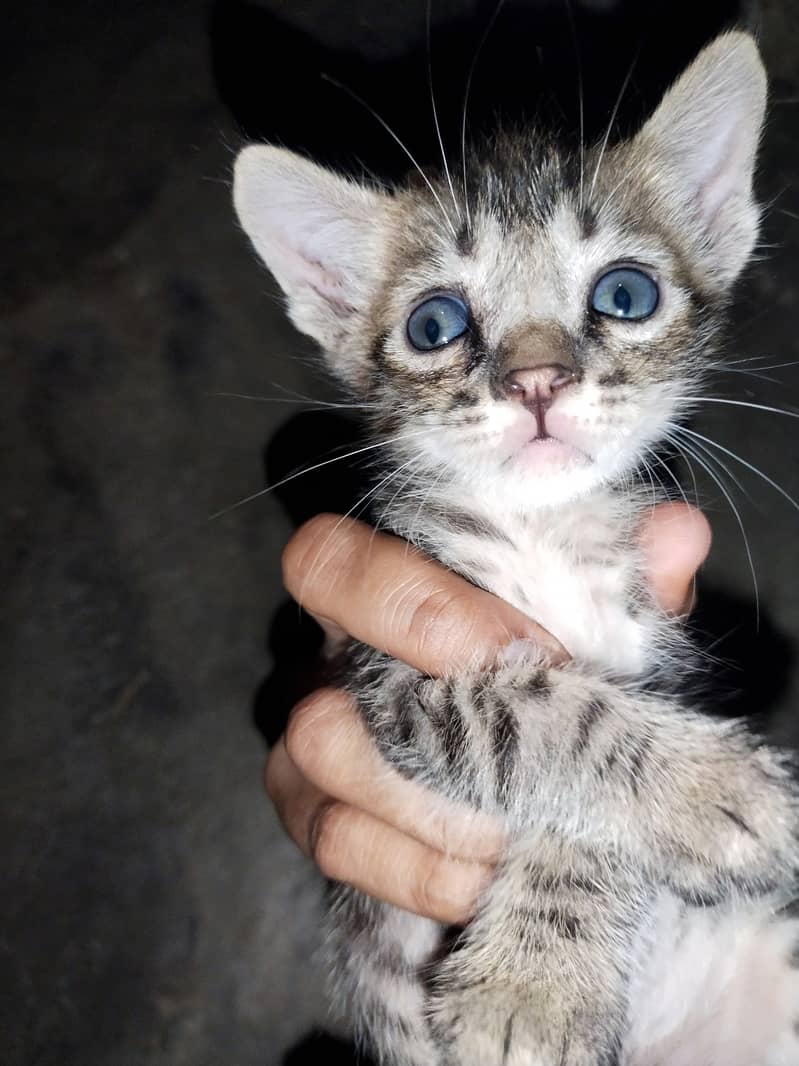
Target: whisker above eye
466	94
612	120
400	142
578	59
435	114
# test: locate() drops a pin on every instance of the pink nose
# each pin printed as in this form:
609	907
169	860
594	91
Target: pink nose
538	385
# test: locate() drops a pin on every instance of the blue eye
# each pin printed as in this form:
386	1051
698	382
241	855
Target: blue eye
625	293
437	321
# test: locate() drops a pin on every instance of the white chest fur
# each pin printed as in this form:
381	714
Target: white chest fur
574	570
585	605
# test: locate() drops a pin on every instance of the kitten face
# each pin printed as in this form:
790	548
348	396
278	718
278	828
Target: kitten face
600	389
534	338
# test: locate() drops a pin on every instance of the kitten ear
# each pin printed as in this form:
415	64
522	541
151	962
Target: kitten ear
705	135
319	234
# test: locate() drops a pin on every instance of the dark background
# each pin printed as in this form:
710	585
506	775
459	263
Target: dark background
152	911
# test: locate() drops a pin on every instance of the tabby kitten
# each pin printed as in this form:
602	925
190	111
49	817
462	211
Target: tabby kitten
522	347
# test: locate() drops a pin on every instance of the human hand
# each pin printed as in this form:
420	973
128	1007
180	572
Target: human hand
357	818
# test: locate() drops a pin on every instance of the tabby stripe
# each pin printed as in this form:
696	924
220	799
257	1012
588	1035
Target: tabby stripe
593	712
609	763
736	819
452	729
562	922
507	1039
505	747
464	522
405	724
641	749
539	686
389	959
558	883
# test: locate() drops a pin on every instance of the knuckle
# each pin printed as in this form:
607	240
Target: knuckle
437	615
303	546
430	891
307	739
450	619
325	836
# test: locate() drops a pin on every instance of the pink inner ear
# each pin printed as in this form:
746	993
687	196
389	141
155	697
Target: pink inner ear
307	269
721	181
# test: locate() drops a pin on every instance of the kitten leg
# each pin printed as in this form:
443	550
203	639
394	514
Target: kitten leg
672	797
380	954
540	976
695	802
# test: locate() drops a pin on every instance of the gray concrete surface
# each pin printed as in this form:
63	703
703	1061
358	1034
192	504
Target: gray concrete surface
152	912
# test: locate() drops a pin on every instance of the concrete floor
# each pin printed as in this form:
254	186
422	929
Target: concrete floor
153	912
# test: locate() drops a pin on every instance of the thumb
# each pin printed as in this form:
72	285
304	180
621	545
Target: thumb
676	539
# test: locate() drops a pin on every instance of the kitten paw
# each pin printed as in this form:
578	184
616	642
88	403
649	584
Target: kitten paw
743	810
504	1025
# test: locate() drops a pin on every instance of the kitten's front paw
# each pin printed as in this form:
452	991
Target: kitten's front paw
745	818
506	1025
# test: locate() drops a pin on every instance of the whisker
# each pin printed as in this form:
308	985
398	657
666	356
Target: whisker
652	476
414	470
661	462
357	506
749	466
466	94
772	366
391	133
435	114
433	486
747	373
318	404
310	469
747	547
612	120
751	359
723	466
742	403
578	58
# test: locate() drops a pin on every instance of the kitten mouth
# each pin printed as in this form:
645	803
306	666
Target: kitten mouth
554	452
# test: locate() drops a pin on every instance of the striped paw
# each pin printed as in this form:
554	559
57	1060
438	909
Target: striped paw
507	1025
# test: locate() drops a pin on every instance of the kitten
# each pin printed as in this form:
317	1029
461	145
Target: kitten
523	346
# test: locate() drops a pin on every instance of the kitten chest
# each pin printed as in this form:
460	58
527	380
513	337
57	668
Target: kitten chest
583	589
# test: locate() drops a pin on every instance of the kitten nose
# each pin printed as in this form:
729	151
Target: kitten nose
537	385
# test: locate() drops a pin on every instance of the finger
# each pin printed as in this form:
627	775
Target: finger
329	745
676	539
339	569
295	798
350	845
